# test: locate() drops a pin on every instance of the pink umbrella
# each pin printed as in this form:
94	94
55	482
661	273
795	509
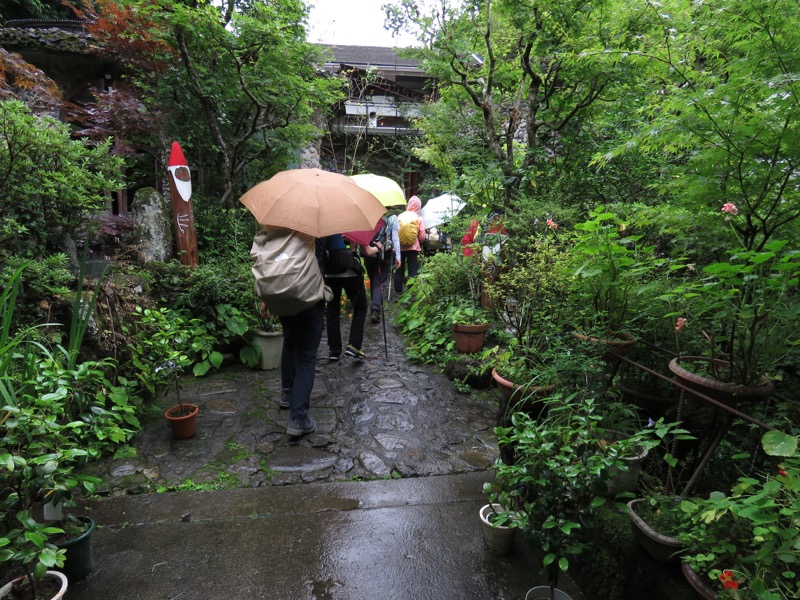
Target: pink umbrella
363	237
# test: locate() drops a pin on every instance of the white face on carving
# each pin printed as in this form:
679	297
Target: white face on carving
182	179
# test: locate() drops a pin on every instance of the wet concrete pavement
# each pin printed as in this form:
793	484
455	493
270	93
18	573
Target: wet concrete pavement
381	502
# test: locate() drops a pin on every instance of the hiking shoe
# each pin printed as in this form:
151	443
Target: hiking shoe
354	352
284	401
297	428
333	357
375	316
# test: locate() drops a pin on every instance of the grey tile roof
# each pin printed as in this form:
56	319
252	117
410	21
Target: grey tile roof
374	56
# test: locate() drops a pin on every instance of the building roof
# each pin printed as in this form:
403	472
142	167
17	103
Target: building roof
369	56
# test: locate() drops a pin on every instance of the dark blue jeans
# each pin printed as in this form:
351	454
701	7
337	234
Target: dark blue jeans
301	337
354	288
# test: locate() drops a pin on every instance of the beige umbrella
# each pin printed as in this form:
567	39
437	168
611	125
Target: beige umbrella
313	201
384	189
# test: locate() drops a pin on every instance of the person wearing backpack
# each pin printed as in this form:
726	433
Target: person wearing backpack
288	280
411	234
344	273
380	266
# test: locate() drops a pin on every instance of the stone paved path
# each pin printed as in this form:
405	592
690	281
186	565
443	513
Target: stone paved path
381	418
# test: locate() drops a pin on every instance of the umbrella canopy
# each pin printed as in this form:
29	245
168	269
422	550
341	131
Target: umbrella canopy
363	237
313	201
383	188
441	209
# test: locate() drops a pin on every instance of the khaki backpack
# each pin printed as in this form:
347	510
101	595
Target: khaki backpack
288	277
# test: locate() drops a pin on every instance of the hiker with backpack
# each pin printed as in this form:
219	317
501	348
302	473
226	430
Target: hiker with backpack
379	266
288	277
344	273
411	234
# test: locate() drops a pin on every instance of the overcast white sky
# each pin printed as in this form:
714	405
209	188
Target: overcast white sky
352	23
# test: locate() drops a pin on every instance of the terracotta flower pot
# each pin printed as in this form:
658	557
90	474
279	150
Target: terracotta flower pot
612	347
522	398
183	423
727	393
469	338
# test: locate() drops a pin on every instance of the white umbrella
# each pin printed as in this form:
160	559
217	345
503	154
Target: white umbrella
441	209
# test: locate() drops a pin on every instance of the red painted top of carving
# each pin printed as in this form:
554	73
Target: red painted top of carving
176	157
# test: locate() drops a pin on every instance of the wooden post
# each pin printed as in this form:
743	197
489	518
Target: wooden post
180	187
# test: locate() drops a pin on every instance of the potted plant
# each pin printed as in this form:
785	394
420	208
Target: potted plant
39	454
556	480
610	271
524	379
52	586
656	525
746	544
266	340
496	527
181	417
470	324
631	443
745	312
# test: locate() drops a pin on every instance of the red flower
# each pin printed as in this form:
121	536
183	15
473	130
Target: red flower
728	582
782	471
552	224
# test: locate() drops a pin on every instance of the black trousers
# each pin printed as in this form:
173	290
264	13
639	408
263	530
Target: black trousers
354	288
410	259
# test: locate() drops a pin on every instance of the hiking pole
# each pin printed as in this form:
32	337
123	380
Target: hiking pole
383	312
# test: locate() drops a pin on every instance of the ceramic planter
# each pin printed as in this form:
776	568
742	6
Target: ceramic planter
496	538
469	338
542	592
183	424
698	585
5	591
662	548
619	480
728	394
270	343
78	563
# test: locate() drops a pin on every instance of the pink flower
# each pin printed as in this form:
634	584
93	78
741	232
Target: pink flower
680	323
730	208
552	224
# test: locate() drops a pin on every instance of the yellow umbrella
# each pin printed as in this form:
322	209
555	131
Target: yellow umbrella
313	201
383	188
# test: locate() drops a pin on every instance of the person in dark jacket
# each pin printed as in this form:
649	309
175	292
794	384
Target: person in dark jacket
350	280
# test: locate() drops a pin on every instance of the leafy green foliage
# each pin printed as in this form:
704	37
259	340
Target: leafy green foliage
746	308
49	182
747	540
724	112
55	414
